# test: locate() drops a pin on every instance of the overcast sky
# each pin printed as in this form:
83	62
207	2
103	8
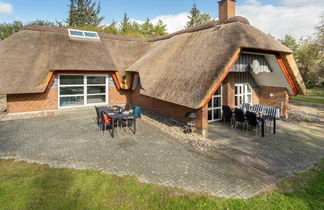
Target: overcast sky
278	17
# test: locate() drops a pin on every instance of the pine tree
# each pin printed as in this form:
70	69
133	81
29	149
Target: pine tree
160	29
7	30
125	25
196	18
83	13
147	28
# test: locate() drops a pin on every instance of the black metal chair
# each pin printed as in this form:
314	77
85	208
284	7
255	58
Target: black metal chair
271	113
227	114
106	121
257	108
98	115
127	107
252	120
239	118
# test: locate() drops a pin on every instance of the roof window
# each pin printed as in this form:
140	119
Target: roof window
83	34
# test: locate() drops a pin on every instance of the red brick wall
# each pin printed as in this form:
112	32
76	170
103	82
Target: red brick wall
229	90
226	9
33	102
169	109
118	96
280	98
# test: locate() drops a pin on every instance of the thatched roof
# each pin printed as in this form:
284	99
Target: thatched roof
181	68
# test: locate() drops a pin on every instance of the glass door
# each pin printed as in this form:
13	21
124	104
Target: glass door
215	106
243	94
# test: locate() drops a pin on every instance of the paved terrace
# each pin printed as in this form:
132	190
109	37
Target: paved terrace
242	168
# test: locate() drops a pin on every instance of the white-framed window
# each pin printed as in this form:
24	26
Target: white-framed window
83	34
243	94
82	90
215	106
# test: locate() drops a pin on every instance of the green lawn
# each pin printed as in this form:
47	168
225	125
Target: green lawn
312	100
33	186
315	92
312	95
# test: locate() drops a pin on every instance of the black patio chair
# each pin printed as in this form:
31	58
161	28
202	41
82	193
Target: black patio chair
127	107
257	108
98	115
227	114
106	121
252	120
246	106
271	113
239	118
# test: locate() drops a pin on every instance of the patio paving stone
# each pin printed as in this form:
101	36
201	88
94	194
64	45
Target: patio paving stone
242	169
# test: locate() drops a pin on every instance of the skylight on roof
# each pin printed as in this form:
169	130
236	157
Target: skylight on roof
83	34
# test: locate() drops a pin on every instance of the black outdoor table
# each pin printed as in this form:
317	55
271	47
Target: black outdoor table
117	116
263	119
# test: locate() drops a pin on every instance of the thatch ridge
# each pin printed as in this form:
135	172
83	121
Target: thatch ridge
128	38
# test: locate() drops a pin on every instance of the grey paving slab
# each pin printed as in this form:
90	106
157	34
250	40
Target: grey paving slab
74	141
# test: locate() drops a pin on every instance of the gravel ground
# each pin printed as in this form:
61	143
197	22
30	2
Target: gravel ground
175	130
306	112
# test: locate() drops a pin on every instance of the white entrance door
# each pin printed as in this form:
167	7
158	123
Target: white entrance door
243	94
215	106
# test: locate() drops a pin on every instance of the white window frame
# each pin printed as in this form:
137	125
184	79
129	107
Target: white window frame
216	108
244	93
85	92
84	36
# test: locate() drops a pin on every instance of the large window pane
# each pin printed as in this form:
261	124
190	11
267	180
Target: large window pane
71	90
71	101
96	89
210	103
217	102
217	114
96	99
91	34
71	80
76	33
219	91
210	115
93	80
249	99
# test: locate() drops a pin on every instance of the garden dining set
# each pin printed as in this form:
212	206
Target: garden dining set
247	116
117	116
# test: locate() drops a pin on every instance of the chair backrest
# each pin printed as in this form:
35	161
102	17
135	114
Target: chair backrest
273	112
97	111
239	115
257	108
251	118
227	112
245	106
127	107
137	112
106	119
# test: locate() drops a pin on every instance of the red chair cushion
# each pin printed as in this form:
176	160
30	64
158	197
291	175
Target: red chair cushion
107	119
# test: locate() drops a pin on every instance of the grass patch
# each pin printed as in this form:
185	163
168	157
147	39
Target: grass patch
315	92
33	186
312	100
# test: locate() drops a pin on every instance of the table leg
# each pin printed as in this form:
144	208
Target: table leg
262	127
274	125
